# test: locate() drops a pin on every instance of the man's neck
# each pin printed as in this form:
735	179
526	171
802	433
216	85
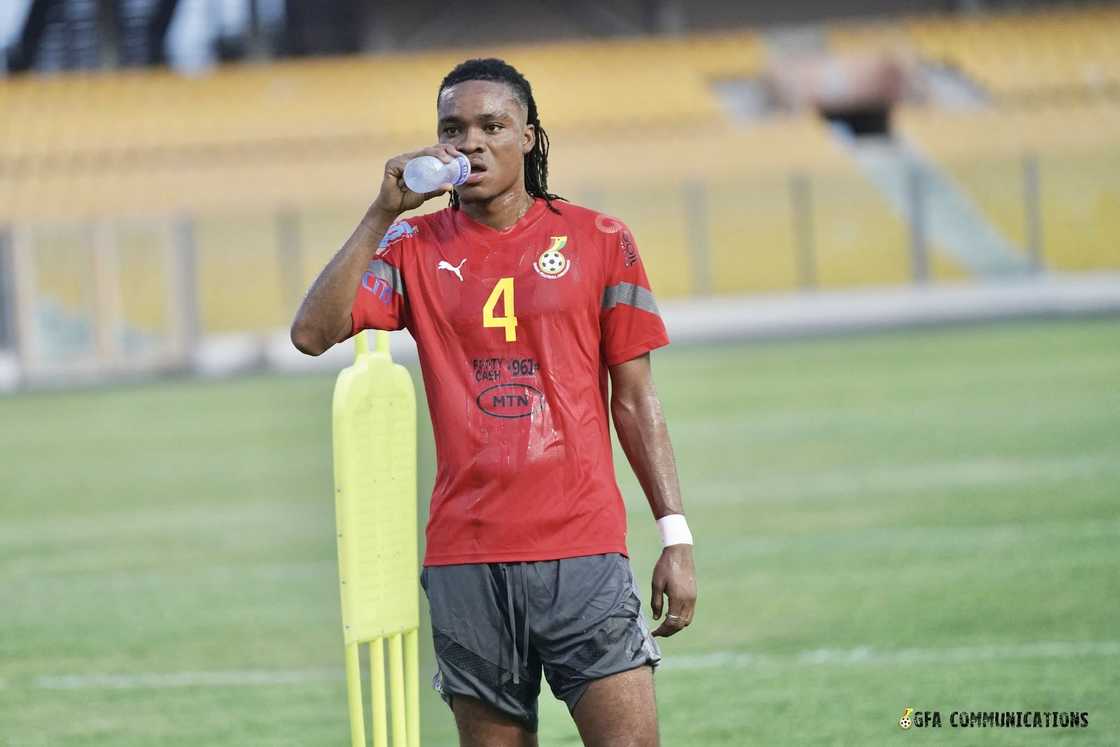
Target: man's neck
502	211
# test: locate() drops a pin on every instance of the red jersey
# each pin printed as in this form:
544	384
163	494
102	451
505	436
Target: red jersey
515	330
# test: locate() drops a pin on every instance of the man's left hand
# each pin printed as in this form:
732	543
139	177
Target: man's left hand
675	576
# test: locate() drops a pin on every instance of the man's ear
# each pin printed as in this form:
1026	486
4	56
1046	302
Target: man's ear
529	139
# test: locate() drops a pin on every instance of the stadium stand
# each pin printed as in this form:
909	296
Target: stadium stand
239	149
1029	54
1076	151
1053	79
1013	55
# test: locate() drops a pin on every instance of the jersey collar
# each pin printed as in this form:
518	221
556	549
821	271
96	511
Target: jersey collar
469	225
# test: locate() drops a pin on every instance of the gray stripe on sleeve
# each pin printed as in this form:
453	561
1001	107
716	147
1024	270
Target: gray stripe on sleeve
630	295
389	273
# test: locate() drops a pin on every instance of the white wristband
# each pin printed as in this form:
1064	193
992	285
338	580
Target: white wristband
674	530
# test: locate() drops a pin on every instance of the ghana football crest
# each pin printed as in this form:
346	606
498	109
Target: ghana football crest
552	263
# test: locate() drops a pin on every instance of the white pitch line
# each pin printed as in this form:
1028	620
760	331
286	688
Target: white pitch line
843	482
714	660
236	678
870	655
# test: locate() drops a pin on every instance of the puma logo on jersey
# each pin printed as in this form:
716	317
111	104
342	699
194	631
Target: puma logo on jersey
445	265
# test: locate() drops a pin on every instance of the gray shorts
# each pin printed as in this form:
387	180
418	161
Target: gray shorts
497	625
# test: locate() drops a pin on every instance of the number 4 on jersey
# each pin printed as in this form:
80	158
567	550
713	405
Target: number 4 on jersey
502	290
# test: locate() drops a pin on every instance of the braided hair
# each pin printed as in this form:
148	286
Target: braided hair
536	160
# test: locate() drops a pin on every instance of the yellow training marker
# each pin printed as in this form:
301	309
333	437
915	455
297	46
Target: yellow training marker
375	508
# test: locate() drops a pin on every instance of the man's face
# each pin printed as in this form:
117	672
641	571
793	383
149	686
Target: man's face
486	123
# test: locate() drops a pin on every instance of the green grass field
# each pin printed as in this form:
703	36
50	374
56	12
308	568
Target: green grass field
926	519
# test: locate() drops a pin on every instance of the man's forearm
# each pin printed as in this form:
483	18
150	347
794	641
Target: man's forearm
324	316
645	439
644	436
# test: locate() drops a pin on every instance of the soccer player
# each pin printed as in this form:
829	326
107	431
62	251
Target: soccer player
522	306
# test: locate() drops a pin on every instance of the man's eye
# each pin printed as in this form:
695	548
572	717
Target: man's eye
493	127
450	131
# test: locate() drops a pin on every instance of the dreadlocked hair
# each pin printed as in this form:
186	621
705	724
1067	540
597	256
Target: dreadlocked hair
536	160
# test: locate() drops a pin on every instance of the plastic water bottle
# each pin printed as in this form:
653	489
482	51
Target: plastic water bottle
427	173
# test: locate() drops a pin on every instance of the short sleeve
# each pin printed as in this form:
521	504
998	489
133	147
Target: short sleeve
380	302
630	321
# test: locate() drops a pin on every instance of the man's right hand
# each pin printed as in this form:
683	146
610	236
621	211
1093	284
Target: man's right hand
324	317
395	197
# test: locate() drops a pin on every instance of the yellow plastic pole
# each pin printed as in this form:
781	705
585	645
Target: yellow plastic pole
412	685
361	345
381	342
377	676
396	689
354	696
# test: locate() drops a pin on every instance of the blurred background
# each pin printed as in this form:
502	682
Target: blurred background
885	237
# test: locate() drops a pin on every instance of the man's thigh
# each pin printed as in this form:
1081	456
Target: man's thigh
482	725
619	711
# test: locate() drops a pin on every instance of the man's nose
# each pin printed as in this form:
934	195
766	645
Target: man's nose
472	140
